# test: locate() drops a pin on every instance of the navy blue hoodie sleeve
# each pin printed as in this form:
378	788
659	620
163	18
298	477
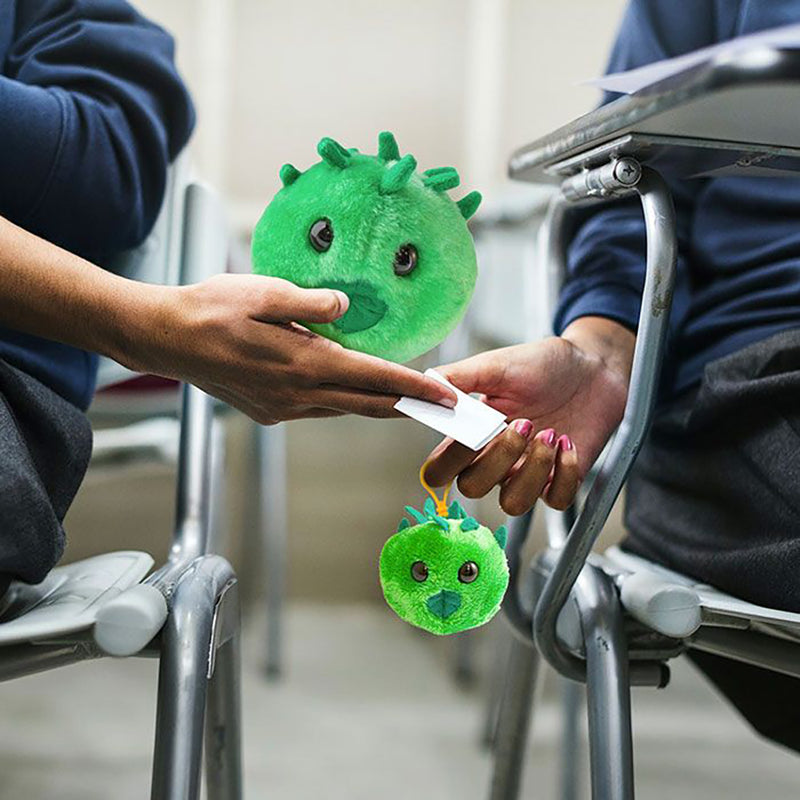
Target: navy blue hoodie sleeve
606	258
92	111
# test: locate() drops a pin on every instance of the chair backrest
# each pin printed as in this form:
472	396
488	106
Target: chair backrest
508	296
160	258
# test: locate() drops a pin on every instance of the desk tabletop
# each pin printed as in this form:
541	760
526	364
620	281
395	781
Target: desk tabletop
732	115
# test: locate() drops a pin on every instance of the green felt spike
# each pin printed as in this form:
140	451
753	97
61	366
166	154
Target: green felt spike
333	153
470	524
456	511
468	204
289	174
429	508
387	147
442	179
398	175
441	522
501	536
438	170
404	523
420	518
353	150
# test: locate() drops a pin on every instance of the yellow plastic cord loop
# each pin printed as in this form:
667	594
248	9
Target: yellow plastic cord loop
441	505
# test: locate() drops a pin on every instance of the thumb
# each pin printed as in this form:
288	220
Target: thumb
480	373
290	303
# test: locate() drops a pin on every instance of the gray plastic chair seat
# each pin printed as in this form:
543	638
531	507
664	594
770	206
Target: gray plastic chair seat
103	592
675	605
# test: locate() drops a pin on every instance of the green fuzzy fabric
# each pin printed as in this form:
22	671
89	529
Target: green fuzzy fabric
375	205
442	604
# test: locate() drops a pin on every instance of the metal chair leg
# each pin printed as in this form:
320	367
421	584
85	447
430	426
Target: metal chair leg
187	644
223	747
273	522
497	688
514	720
218	496
571	695
607	686
464	658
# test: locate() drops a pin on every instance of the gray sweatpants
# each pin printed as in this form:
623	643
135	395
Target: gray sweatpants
715	494
45	445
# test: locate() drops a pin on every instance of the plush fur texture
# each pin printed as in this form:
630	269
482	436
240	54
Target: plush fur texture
375	205
443	604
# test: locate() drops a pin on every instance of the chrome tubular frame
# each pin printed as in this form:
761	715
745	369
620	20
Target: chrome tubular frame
653	320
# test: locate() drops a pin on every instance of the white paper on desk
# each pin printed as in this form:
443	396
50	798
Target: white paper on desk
634	80
471	422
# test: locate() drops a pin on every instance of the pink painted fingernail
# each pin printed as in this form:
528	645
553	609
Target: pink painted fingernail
523	427
564	442
548	436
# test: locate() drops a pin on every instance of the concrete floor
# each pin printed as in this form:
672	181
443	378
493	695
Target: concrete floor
368	709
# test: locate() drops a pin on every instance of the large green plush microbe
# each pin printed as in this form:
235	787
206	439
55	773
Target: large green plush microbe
388	236
444	574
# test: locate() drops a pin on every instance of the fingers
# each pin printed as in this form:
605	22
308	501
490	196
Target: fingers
446	461
312	413
360	371
566	477
496	460
525	467
354	401
525	484
285	302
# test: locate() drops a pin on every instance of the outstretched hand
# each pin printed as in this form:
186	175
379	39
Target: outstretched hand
241	338
565	395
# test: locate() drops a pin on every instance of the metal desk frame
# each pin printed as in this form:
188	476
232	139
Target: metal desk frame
601	156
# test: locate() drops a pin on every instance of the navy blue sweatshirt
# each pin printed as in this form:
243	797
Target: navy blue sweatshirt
738	238
92	111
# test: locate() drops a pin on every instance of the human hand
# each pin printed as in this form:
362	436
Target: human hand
240	338
566	396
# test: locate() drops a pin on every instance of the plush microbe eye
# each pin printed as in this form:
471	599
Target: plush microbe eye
321	235
419	571
405	259
467	572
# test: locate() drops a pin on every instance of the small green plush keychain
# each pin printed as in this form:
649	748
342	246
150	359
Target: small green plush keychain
447	573
388	237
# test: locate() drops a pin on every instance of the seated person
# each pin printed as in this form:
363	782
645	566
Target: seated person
92	111
714	492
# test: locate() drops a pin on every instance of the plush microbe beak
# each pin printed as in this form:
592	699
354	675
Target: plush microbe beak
444	604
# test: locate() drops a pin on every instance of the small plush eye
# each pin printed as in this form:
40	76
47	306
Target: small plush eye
467	572
321	235
405	259
419	571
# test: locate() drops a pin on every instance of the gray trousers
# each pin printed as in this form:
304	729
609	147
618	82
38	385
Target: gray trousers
45	445
715	494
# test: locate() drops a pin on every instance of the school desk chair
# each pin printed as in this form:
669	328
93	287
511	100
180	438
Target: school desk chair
139	415
615	620
185	613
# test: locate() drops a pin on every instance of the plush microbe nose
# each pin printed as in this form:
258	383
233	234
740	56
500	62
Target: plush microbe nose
444	604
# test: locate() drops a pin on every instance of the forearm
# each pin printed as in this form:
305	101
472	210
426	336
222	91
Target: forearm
49	292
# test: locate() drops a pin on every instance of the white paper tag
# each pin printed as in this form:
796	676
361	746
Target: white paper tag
472	423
